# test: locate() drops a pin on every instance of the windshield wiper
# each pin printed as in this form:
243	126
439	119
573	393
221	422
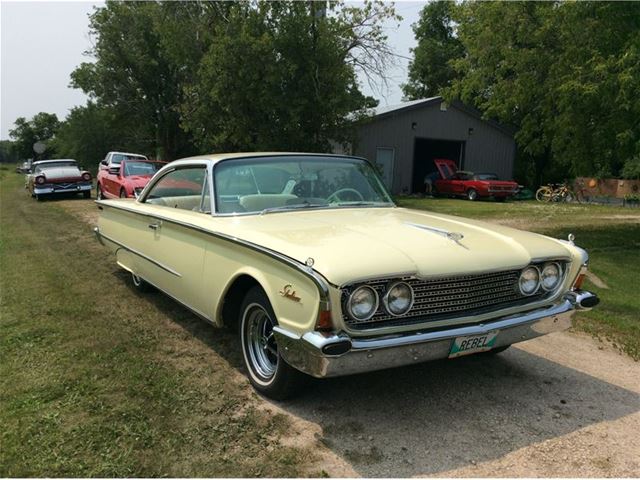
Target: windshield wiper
362	204
295	206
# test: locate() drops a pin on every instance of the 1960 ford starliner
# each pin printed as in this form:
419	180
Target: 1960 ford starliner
309	258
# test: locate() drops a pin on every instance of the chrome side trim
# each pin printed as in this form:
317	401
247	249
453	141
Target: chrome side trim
318	280
101	236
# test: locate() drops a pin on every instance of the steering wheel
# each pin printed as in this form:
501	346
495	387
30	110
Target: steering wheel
335	196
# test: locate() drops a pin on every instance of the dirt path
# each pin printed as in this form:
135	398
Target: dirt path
561	405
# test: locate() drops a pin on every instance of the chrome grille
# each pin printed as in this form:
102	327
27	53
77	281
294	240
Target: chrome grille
448	297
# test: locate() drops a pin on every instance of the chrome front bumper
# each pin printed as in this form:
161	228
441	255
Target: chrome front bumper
332	355
71	189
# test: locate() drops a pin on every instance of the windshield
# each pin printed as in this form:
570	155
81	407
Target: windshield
141	168
291	182
66	163
119	157
486	176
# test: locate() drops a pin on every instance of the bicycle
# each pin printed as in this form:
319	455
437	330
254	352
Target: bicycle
555	192
582	194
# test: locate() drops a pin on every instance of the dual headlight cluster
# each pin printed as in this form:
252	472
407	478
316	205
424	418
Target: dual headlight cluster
547	277
364	301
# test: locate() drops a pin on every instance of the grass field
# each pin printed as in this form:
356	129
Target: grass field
98	380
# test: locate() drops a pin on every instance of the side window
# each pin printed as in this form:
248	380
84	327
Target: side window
180	188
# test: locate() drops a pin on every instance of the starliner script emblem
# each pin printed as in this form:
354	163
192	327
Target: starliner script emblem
288	292
453	236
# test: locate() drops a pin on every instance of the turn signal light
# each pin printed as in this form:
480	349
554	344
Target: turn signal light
324	323
577	285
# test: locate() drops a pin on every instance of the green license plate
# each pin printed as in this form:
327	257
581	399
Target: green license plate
473	344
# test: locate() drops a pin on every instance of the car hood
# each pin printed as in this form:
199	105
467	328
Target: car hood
139	180
356	244
59	173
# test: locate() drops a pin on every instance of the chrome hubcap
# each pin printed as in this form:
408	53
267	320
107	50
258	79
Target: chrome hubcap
261	343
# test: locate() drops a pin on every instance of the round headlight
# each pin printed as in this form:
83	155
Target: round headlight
550	276
363	303
399	298
40	180
529	280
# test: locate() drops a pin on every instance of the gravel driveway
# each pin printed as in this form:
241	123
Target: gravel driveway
561	405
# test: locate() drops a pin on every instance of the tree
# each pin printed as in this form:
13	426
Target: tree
430	70
41	128
8	152
563	73
282	75
138	70
90	131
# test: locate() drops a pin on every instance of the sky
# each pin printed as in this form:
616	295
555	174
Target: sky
41	43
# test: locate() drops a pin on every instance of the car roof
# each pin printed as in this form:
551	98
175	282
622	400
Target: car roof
40	162
127	153
218	157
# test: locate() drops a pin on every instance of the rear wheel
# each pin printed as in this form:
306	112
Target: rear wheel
99	195
268	372
123	193
472	194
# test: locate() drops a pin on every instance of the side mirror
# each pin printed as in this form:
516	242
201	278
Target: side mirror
114	170
104	162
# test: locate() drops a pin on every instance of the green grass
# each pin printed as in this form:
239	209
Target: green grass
97	380
611	235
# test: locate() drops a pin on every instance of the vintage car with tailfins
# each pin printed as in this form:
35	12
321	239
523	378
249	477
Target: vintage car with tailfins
126	179
471	185
54	177
322	275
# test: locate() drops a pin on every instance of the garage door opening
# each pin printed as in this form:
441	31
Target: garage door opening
425	151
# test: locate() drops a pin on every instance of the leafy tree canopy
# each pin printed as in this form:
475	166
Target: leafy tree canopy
41	128
430	69
566	74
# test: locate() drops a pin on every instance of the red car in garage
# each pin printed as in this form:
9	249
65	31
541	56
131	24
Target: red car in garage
126	180
471	185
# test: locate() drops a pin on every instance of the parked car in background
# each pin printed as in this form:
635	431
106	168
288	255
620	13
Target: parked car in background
126	180
471	185
24	167
113	159
323	275
50	177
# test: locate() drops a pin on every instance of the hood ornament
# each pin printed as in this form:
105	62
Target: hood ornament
453	236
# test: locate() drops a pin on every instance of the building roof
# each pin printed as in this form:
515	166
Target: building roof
380	112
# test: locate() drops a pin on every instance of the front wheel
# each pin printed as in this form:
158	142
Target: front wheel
123	193
472	194
99	194
268	372
544	194
501	199
86	194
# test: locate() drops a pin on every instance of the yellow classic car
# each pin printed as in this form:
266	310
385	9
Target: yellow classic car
307	256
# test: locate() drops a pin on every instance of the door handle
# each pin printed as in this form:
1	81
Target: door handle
155	226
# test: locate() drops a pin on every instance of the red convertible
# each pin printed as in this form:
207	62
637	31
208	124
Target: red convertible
126	180
471	185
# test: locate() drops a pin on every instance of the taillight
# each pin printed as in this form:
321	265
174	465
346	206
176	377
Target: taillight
40	180
86	176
